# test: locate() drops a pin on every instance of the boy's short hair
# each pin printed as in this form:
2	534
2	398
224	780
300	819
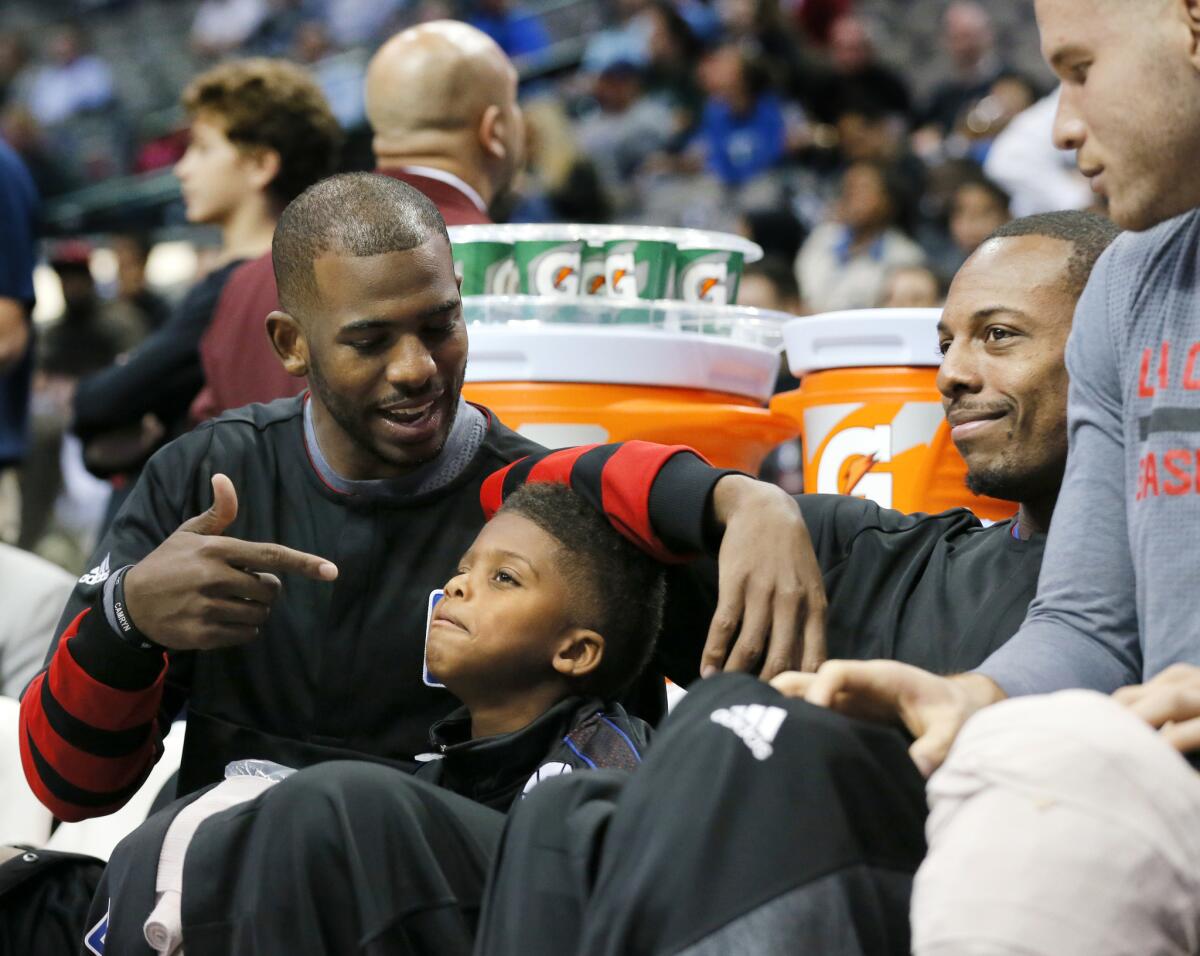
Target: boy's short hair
622	590
273	104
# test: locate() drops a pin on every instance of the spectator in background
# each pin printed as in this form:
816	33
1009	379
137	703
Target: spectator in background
45	163
911	287
770	283
517	31
132	249
778	231
844	263
90	333
624	129
628	39
72	82
361	22
970	42
14	57
18	213
340	75
261	132
559	182
760	25
817	17
1009	96
856	75
88	336
1024	161
276	35
223	26
674	55
867	133
742	131
978	208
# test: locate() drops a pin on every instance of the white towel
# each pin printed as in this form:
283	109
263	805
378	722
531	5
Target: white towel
1060	826
164	929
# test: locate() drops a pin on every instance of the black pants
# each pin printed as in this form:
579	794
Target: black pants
346	858
722	842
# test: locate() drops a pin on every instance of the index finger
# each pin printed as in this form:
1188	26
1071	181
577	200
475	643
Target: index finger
277	558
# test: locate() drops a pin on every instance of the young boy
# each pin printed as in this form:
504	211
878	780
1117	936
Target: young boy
261	133
550	616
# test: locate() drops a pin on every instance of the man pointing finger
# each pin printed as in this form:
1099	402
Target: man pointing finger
237	582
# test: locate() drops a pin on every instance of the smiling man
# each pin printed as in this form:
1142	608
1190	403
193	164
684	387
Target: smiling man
360	496
941	591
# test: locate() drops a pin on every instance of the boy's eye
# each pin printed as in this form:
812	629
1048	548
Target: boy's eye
503	577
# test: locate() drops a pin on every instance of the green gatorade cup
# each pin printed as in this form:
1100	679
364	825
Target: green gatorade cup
548	266
708	275
486	267
591	277
639	269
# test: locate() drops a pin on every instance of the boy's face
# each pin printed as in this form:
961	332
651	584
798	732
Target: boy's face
214	175
505	614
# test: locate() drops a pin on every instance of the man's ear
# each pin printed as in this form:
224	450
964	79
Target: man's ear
492	133
287	338
579	653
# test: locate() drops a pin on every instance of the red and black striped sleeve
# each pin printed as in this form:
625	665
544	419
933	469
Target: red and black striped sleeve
90	724
657	496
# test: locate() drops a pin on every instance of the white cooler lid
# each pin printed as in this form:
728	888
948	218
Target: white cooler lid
862	338
620	355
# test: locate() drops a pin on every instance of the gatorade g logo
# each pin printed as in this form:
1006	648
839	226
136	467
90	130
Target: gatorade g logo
555	272
592	276
706	279
847	463
626	277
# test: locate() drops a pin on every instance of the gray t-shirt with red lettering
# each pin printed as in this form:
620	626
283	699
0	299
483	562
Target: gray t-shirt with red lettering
1118	598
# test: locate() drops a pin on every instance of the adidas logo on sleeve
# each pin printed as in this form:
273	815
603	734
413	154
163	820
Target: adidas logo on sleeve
99	574
755	724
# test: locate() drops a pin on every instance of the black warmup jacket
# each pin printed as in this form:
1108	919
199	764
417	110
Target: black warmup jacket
575	734
337	671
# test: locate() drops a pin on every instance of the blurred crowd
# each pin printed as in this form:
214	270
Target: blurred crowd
779	118
867	182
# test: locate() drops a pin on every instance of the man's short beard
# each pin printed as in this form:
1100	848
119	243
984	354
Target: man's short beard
352	424
1009	482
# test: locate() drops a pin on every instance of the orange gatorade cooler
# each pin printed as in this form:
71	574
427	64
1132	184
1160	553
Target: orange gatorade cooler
576	372
870	413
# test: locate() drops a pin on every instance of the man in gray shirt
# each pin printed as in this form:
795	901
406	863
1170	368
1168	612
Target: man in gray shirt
1117	598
